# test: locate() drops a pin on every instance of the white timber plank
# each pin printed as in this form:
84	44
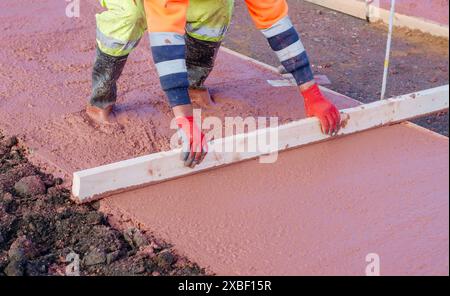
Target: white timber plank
100	181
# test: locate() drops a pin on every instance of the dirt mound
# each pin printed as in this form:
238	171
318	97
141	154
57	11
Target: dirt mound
40	229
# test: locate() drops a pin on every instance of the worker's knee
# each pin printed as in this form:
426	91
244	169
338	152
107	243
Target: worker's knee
123	15
208	20
120	27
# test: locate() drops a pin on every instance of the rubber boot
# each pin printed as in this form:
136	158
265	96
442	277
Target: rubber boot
200	59
106	71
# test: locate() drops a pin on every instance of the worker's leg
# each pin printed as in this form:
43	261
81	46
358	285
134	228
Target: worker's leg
207	23
119	29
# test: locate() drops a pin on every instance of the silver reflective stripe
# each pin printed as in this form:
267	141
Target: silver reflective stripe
291	51
166	38
113	43
171	67
279	27
207	32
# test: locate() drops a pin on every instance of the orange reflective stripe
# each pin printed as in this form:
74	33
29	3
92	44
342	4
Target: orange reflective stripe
166	15
266	13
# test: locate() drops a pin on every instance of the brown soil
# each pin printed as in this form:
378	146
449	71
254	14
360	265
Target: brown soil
40	226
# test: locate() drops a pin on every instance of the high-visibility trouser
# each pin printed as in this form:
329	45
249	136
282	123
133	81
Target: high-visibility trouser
121	26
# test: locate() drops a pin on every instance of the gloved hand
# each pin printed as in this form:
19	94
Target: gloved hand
195	147
317	105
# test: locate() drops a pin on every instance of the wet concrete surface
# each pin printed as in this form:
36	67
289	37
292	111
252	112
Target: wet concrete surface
318	210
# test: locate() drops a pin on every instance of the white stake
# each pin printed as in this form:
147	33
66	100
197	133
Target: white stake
388	50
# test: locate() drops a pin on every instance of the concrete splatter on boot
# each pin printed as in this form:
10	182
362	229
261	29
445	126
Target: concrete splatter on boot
106	71
200	58
99	115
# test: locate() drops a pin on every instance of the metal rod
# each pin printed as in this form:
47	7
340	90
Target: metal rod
388	50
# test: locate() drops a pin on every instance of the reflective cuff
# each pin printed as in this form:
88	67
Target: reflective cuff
279	27
291	51
169	52
166	38
113	46
285	42
171	67
178	97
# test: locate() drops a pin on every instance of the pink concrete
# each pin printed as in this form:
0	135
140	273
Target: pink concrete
433	10
384	191
46	70
318	211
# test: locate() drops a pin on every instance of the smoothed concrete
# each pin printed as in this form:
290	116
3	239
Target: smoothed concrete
319	210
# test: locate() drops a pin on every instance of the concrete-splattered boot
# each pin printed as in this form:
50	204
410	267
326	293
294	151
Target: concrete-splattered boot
200	58
106	71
